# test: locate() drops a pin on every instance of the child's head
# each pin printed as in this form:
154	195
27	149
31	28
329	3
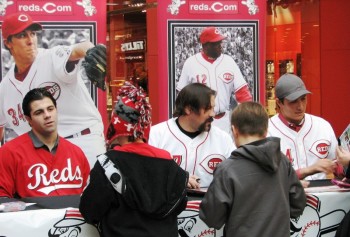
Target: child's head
250	119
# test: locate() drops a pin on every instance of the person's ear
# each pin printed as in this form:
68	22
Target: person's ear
265	134
29	120
7	44
278	102
188	110
234	131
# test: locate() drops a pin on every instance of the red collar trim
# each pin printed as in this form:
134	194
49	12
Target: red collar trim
210	60
295	127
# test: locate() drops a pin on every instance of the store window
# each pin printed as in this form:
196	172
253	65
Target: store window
127	43
292	43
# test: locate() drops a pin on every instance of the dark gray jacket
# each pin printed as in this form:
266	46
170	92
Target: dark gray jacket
254	193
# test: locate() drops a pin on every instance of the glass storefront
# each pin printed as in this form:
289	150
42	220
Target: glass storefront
292	43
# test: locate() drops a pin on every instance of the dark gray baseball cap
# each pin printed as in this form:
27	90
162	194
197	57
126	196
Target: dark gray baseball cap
291	87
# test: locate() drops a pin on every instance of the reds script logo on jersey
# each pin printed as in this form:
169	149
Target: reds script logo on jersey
226	77
320	148
53	88
210	162
64	178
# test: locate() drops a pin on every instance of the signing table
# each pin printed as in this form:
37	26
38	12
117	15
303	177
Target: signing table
59	216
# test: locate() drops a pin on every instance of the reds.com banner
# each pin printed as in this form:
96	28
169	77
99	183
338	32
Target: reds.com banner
64	23
179	24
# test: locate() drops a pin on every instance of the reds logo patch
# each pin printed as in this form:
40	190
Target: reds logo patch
320	148
53	88
226	77
211	161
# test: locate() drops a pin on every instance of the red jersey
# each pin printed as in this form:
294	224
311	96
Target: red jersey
33	172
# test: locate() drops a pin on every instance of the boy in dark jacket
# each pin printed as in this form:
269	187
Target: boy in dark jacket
256	191
135	189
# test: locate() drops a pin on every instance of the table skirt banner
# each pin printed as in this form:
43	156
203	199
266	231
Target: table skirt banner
46	223
321	217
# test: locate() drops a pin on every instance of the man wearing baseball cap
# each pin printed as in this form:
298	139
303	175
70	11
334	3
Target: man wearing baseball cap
59	70
218	71
307	140
16	23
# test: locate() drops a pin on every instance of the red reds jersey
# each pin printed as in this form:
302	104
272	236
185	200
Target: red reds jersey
32	172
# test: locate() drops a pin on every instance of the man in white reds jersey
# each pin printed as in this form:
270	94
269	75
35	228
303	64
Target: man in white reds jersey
40	162
307	140
59	71
218	71
189	137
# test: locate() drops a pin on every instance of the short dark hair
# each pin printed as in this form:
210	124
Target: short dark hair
250	118
35	94
195	95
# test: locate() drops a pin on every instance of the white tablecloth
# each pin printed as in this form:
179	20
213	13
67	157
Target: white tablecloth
321	217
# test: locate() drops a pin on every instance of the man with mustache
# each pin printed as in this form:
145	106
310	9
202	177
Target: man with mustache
193	143
219	71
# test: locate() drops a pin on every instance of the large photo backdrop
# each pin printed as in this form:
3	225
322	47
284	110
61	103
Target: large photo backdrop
64	23
241	44
179	26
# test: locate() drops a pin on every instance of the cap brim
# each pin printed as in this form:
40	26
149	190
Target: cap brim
297	94
34	26
218	38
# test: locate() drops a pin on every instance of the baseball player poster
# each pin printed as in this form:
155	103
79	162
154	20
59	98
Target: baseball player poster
241	25
63	23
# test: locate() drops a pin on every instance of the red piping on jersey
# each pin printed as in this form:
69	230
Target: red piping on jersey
195	163
167	124
297	158
194	168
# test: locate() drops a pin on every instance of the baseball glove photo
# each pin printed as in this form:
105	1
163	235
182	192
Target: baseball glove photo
95	65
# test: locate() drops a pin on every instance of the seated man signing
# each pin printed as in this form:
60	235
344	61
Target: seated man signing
40	162
308	141
193	142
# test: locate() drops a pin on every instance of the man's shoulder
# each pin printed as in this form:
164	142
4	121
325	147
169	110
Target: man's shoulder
161	125
219	133
17	142
75	151
315	118
69	145
194	57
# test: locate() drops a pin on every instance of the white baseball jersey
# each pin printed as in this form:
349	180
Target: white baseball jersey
315	140
223	76
76	109
200	155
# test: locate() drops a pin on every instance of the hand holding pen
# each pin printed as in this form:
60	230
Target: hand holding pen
193	182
